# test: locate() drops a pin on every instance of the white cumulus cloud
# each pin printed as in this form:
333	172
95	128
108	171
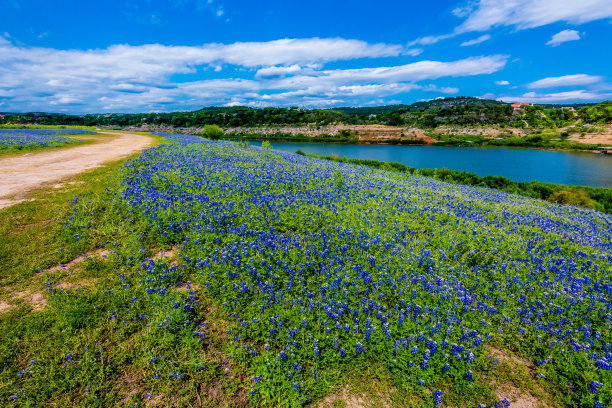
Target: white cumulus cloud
124	78
483	15
565	80
568	96
563	36
502	83
534	13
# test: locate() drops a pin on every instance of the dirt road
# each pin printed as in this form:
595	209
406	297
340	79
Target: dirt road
21	173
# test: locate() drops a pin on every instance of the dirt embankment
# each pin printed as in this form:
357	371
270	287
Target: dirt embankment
24	172
388	134
592	135
488	132
361	133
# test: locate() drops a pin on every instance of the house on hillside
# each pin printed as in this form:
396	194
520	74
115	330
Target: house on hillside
519	105
569	108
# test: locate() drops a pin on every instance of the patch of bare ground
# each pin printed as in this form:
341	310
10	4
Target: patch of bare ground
508	356
129	381
602	136
99	253
519	399
155	401
213	395
351	398
79	284
22	228
36	300
5	307
170	254
67	183
486	131
514	383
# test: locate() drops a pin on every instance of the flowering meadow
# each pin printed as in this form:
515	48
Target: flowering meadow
20	139
291	271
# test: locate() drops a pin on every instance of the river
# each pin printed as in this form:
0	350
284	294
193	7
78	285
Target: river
561	167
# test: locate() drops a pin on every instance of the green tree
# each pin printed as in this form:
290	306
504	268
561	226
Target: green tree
212	132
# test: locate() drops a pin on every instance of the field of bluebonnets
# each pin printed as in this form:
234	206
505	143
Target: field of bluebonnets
27	139
293	270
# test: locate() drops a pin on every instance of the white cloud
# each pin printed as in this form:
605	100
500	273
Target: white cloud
566	80
140	78
276	71
412	51
569	96
502	83
534	13
430	39
475	41
563	36
483	15
416	71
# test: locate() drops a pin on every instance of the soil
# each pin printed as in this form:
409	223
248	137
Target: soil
22	173
350	399
519	398
601	137
100	253
489	132
4	307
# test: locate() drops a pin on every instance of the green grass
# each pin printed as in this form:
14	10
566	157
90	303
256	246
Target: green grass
29	231
25	126
82	140
91	357
42	325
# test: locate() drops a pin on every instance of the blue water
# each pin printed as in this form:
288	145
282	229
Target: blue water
574	168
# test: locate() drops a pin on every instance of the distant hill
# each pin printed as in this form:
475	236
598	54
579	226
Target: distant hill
459	102
567	105
439	103
461	110
368	110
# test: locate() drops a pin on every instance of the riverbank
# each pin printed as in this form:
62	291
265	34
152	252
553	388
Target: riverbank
572	139
517	143
583	196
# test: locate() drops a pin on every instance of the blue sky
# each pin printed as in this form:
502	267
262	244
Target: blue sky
150	56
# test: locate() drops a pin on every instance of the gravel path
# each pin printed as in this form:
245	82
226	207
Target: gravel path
22	173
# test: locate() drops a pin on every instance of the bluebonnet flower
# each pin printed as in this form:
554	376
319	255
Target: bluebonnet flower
437	398
296	387
359	348
594	386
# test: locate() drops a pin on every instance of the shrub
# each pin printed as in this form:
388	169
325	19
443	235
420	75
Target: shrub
212	132
578	198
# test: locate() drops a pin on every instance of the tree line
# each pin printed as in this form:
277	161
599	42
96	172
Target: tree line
430	114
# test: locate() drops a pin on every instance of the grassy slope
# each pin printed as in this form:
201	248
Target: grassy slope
92	360
35	327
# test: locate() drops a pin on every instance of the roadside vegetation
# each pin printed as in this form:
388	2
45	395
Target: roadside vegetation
18	140
209	273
